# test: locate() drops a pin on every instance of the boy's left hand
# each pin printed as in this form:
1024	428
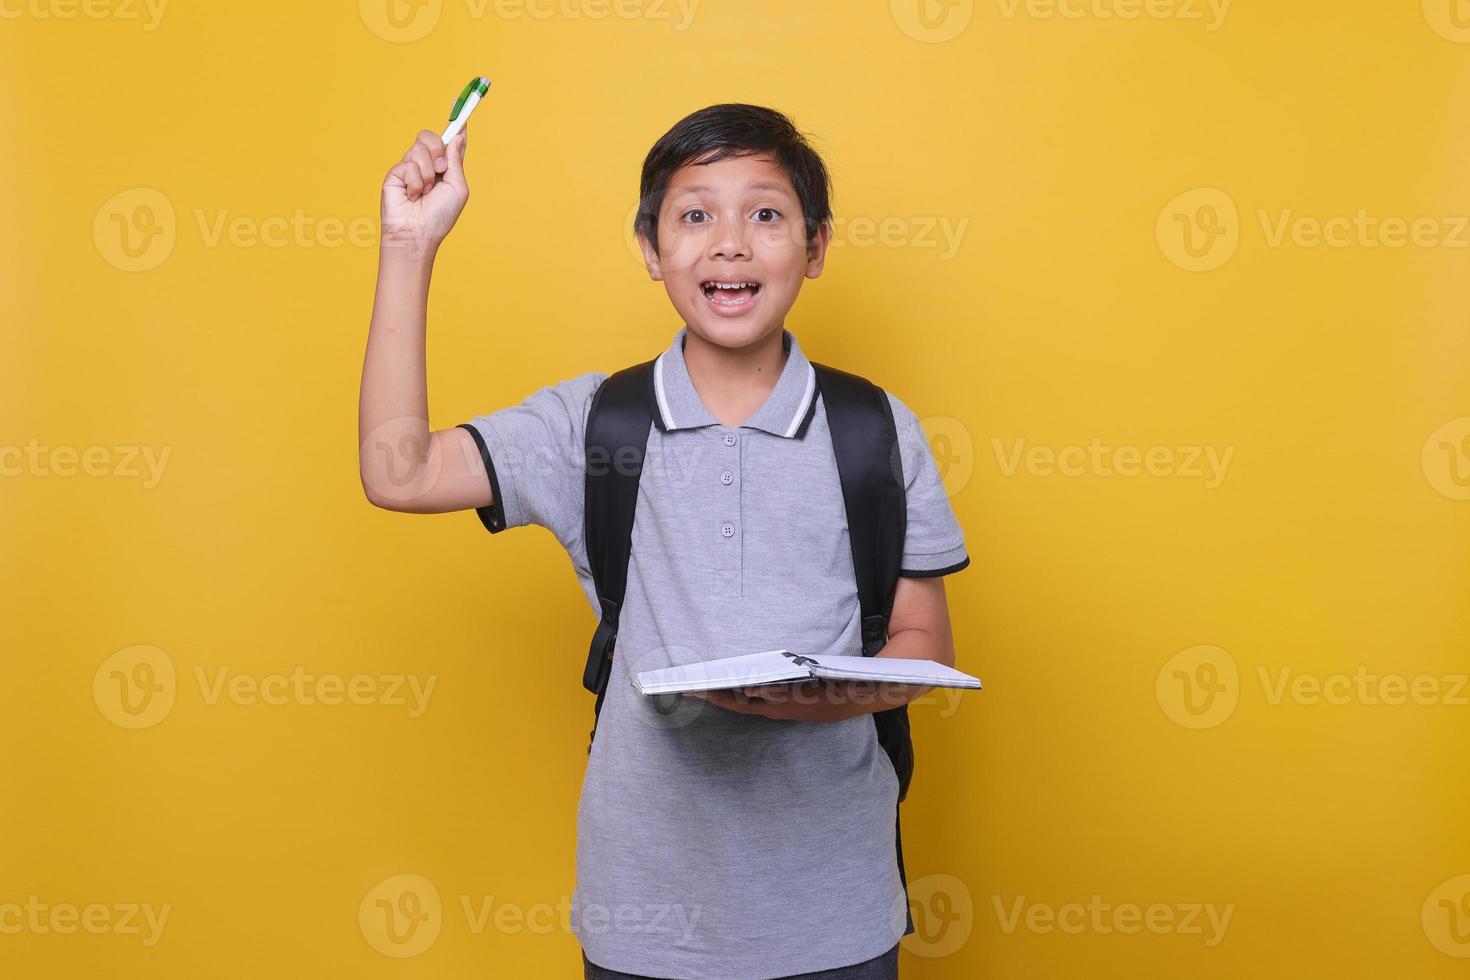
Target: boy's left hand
809	700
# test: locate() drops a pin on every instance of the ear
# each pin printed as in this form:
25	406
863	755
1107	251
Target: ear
650	258
816	252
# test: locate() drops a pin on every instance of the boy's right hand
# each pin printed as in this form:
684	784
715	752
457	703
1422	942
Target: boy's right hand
424	194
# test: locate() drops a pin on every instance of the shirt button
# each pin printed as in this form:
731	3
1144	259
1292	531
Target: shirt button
727	529
729	438
727	478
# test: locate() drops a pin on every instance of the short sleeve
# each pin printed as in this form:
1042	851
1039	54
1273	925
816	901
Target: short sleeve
933	542
534	455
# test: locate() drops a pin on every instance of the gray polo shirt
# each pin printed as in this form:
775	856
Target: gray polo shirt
714	844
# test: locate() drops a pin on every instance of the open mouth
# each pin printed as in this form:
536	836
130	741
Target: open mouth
730	296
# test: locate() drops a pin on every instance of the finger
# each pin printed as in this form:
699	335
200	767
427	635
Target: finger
413	183
418	155
454	170
433	144
404	175
759	707
723	699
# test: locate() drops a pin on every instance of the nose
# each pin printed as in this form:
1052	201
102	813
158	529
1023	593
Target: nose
729	240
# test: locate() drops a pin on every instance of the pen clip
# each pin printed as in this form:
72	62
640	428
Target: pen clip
476	84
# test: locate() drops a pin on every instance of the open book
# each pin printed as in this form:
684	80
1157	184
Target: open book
778	666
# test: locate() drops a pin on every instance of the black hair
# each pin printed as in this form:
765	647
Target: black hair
734	129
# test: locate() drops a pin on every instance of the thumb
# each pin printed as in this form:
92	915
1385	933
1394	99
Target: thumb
454	170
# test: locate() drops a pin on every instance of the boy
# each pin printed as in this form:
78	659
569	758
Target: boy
747	835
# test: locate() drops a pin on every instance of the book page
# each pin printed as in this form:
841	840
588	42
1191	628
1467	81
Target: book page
747	670
898	670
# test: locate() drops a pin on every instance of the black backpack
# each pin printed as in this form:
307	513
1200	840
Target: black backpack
865	443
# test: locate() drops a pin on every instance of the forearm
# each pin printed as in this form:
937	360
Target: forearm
393	402
912	644
403	464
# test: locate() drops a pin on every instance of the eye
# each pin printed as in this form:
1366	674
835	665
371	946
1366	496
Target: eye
690	213
775	215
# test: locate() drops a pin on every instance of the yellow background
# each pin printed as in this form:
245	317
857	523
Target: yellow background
1335	542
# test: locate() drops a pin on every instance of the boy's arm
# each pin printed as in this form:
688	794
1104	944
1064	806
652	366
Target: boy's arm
404	466
918	628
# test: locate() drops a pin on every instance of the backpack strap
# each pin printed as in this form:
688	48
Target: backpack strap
618	424
865	442
870	466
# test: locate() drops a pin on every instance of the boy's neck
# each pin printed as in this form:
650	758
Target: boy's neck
734	383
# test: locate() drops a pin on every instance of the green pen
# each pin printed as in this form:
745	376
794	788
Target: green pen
464	105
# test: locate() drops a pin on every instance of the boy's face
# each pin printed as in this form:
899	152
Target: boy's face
734	222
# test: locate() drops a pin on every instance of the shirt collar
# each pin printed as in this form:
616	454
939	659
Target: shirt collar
787	411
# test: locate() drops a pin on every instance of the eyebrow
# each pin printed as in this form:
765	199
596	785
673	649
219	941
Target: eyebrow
750	187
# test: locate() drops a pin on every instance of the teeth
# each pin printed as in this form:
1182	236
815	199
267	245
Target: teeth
730	285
